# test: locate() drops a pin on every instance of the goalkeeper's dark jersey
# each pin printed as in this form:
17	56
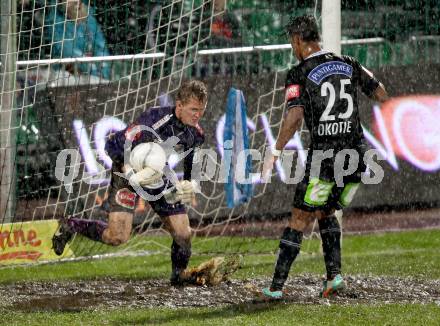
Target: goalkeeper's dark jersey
165	124
326	86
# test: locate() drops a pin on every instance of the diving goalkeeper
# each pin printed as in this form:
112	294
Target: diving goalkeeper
156	124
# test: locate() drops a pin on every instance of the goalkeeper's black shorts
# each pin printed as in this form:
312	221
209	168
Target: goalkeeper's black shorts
122	197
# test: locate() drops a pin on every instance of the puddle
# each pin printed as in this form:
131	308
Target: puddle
111	293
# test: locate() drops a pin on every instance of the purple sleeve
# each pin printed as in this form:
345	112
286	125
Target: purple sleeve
134	132
192	168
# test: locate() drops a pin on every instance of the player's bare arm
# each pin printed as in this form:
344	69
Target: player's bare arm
289	126
380	94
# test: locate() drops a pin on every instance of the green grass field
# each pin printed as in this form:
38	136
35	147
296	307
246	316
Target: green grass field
406	254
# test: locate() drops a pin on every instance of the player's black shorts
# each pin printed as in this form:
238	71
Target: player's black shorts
321	192
122	197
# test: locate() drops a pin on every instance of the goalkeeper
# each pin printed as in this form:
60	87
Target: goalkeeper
156	124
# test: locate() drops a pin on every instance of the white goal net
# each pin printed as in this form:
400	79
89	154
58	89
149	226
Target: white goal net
74	71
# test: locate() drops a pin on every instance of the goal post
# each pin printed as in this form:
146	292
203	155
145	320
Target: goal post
8	53
331	39
331	25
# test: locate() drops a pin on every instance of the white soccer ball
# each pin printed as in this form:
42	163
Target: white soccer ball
148	155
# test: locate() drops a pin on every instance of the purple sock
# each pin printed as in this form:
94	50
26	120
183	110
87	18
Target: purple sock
91	229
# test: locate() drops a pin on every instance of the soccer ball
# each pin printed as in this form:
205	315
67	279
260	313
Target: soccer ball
148	155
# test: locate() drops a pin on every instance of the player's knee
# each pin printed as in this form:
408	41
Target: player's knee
329	223
183	238
300	221
117	239
182	235
298	225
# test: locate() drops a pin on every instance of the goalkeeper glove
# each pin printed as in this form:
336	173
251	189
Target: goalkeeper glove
184	192
147	177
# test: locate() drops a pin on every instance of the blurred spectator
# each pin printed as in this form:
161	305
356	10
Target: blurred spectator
74	32
225	29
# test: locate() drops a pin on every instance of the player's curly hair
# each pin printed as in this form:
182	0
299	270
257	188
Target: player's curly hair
304	26
192	88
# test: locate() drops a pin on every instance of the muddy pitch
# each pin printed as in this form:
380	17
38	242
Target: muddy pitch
111	293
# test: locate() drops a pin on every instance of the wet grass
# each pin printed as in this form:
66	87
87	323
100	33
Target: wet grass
404	254
274	313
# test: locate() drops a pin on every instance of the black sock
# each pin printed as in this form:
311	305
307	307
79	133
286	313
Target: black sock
180	256
290	245
331	244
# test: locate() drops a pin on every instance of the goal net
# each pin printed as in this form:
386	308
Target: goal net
74	71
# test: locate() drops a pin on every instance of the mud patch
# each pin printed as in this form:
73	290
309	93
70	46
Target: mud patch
303	289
